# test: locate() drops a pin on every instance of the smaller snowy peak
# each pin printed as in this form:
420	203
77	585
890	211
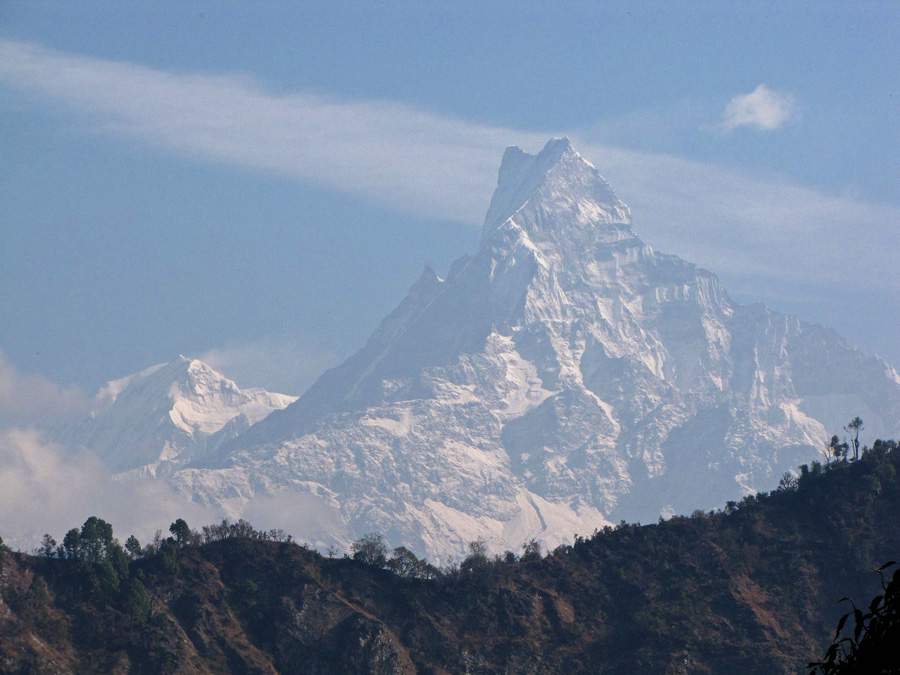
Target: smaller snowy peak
167	413
203	400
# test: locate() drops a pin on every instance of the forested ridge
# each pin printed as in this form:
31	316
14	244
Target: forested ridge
753	588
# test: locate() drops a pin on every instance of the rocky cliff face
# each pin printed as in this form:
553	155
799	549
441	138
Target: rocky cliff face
563	376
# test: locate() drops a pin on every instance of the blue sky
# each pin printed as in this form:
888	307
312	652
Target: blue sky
258	184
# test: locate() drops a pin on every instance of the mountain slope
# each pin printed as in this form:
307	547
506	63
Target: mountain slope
166	415
563	376
753	590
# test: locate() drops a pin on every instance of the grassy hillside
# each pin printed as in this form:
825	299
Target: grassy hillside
751	589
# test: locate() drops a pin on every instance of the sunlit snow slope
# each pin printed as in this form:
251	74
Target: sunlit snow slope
564	376
156	421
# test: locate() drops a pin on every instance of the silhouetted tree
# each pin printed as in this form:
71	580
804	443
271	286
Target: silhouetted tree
370	548
872	647
48	546
168	552
181	532
96	539
836	448
478	556
151	548
72	544
237	530
531	550
133	547
404	563
787	483
854	427
880	447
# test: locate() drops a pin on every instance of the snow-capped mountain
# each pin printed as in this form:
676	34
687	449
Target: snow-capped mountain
163	417
564	376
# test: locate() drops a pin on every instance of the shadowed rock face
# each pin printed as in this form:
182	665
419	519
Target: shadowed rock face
563	376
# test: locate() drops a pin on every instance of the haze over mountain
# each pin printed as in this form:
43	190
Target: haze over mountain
564	376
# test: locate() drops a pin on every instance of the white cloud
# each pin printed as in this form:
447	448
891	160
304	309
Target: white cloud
762	109
397	155
33	400
749	228
45	487
754	228
282	365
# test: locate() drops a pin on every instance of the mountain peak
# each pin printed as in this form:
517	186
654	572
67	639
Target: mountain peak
520	175
183	362
518	164
562	374
555	190
166	412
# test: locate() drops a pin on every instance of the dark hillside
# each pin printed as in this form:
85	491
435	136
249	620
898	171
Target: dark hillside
753	589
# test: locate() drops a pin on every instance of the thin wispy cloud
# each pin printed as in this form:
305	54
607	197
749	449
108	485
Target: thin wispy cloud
443	168
762	109
397	155
754	228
